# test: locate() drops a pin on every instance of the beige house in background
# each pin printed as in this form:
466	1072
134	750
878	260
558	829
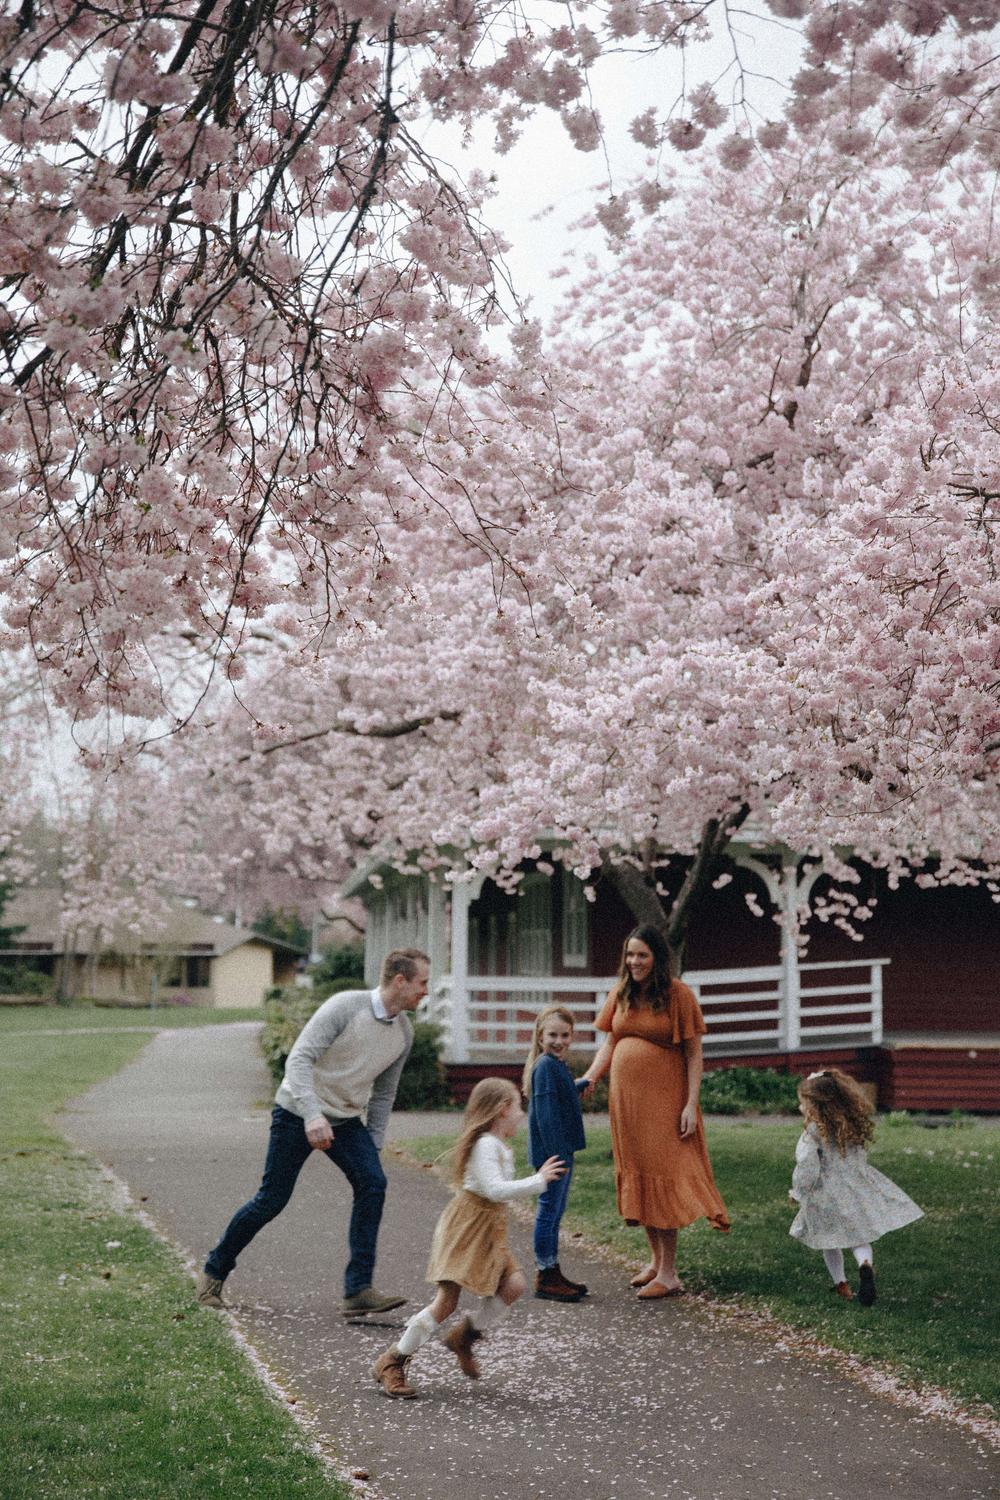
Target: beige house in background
195	959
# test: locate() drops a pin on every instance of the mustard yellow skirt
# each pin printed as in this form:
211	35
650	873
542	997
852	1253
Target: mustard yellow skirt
470	1245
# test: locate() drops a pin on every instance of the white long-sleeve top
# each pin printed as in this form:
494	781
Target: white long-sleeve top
490	1172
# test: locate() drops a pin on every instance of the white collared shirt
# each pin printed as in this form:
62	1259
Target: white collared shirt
378	1006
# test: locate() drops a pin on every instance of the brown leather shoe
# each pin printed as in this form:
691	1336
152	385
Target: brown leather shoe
552	1286
368	1300
843	1290
390	1372
460	1341
575	1286
208	1290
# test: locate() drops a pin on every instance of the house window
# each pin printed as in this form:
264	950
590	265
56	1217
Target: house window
186	971
197	973
533	934
575	923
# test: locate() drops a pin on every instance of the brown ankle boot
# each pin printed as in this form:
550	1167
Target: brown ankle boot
460	1341
552	1286
390	1372
577	1286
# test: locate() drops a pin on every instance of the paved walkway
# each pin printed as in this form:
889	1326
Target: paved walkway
607	1400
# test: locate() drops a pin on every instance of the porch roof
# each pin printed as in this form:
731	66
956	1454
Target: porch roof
187	932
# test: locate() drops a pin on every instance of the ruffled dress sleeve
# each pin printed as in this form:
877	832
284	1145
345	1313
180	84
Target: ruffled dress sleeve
685	1013
606	1015
808	1165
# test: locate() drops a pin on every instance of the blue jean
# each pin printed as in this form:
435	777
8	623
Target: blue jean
548	1217
288	1150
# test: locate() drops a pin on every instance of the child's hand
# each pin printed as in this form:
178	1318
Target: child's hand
584	1087
551	1169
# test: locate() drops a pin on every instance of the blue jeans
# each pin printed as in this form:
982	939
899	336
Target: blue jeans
548	1218
288	1150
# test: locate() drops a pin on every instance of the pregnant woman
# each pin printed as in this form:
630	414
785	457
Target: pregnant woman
663	1176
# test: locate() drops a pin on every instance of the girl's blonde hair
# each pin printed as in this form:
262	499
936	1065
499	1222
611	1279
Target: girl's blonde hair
839	1109
485	1105
536	1041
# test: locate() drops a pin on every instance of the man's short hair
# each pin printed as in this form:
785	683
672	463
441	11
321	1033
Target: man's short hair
401	961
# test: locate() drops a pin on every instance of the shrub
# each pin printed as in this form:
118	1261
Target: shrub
339	963
424	1084
19	979
737	1091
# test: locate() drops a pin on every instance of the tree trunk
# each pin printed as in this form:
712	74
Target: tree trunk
637	884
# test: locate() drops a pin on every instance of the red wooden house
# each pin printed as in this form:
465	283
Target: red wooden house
914	1008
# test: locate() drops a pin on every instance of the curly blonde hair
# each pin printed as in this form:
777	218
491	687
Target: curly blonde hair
838	1108
485	1105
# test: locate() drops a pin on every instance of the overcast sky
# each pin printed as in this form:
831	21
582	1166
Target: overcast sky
545	184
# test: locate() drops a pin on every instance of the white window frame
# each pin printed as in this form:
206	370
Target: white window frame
575	923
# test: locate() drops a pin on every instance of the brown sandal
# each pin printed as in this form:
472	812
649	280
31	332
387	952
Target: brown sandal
654	1290
643	1277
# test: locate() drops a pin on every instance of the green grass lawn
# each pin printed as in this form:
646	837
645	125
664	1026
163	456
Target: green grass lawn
112	1383
16	1018
935	1321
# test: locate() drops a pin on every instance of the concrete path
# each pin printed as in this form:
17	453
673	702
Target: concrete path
607	1400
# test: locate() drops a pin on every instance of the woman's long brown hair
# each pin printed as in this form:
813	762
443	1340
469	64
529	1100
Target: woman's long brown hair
485	1105
838	1108
657	996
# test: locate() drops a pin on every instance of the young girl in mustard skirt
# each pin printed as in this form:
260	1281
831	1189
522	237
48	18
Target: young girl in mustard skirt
470	1250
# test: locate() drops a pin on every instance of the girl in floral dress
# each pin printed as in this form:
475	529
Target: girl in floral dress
844	1203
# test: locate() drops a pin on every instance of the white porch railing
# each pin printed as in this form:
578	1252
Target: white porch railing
746	1010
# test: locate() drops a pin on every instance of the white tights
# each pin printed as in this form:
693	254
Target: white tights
835	1260
423	1325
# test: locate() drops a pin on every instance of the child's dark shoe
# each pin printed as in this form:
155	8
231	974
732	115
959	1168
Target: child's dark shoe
460	1341
551	1286
843	1290
866	1284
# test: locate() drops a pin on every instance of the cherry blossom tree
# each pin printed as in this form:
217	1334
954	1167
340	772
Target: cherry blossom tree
753	569
244	307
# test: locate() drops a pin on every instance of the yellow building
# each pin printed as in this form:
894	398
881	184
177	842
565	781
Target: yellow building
195	959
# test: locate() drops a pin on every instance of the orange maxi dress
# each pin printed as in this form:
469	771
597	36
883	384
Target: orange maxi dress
662	1181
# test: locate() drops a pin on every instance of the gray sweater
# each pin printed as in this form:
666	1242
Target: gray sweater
345	1063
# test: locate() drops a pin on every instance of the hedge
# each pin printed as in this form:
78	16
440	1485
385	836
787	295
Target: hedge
749	1091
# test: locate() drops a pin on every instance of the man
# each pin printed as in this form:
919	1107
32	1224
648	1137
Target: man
336	1096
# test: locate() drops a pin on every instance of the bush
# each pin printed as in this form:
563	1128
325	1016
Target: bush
424	1084
19	979
338	963
760	1091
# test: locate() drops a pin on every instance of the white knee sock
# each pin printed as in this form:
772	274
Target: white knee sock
419	1329
862	1254
835	1264
489	1313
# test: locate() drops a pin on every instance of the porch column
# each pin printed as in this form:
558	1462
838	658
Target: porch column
437	933
791	990
461	898
788	892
